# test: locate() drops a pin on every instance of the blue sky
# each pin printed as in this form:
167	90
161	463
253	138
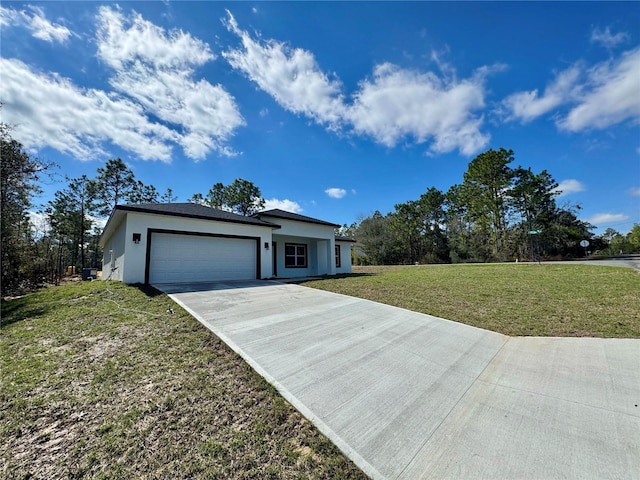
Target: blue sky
333	109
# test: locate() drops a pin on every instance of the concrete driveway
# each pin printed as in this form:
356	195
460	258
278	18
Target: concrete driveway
407	395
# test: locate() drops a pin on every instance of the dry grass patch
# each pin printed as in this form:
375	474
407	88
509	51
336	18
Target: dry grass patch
99	380
514	299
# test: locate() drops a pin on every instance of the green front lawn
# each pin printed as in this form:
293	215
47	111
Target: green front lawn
100	380
514	299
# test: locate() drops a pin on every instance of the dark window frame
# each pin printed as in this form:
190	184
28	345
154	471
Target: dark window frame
338	256
296	256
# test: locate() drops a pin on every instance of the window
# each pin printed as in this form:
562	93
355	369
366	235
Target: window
295	255
337	256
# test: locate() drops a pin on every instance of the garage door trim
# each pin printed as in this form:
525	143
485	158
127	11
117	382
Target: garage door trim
151	231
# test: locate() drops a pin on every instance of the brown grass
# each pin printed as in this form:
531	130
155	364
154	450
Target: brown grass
99	380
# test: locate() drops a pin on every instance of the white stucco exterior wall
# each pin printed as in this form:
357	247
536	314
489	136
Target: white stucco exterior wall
345	257
114	255
319	238
300	229
125	260
314	254
133	270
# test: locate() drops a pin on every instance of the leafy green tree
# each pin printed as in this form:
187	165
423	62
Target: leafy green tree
168	196
94	250
533	197
115	182
349	231
142	193
457	224
197	198
485	190
566	232
217	196
533	201
419	228
405	223
620	244
19	177
378	244
84	191
633	237
432	224
69	216
609	236
243	197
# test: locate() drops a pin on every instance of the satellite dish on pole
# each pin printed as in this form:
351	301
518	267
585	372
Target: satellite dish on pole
584	243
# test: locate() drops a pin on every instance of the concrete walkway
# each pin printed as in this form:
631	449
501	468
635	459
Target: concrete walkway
410	396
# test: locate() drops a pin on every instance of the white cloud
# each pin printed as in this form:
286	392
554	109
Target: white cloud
606	38
565	187
36	22
153	74
156	68
336	192
291	76
286	205
8	16
606	218
527	106
634	192
400	103
48	110
395	104
612	95
597	97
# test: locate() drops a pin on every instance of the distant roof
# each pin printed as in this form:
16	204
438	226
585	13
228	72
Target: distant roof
340	238
277	213
193	210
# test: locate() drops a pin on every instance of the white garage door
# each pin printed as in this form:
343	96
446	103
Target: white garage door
192	258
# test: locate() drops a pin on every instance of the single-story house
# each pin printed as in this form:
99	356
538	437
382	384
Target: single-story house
187	242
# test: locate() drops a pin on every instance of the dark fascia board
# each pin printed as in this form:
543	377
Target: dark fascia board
281	214
344	239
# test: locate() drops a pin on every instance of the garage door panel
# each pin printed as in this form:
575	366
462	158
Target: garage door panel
194	258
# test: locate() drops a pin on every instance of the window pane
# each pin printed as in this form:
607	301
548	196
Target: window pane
300	262
301	249
290	250
290	261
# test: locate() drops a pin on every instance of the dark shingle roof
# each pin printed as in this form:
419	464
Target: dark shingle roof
193	210
340	238
277	213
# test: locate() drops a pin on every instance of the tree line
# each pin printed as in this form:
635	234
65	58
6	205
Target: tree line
68	231
498	213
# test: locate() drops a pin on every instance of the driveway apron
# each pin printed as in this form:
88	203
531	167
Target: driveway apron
411	396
